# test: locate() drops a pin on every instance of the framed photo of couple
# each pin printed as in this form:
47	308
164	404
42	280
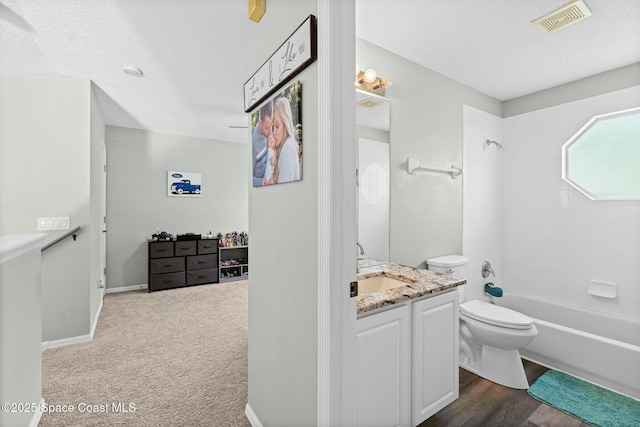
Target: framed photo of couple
276	138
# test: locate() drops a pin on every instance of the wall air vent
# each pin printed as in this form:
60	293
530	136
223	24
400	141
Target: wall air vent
369	103
568	14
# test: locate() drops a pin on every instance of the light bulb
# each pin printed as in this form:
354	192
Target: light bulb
357	69
386	81
370	75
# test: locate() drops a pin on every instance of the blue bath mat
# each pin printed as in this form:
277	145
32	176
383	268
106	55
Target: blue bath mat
588	402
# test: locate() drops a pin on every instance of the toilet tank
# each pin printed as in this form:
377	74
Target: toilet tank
455	265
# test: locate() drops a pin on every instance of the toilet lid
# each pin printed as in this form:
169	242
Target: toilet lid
495	315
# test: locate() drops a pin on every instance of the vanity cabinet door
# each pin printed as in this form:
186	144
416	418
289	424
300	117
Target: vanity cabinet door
434	354
383	351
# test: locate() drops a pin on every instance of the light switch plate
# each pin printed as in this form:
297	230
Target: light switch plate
53	223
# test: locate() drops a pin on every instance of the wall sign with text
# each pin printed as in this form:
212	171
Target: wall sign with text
293	56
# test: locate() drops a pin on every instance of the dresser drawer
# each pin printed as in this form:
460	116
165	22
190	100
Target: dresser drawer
160	249
202	261
209	246
166	281
185	248
198	277
166	265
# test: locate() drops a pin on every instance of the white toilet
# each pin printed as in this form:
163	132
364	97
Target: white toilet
490	336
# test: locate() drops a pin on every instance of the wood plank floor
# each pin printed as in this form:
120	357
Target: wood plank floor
485	404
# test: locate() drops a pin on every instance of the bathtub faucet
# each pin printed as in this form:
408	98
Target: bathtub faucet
486	269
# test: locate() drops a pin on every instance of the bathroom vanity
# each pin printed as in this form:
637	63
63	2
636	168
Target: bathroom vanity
406	343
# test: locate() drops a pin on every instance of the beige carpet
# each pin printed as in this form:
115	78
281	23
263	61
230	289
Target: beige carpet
170	358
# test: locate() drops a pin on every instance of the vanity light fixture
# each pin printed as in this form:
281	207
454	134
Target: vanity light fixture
369	81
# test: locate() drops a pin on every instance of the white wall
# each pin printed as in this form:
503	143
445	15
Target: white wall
45	161
283	219
427	124
482	204
555	238
137	165
97	201
20	327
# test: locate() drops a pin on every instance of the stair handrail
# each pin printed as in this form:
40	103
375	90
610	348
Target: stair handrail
73	233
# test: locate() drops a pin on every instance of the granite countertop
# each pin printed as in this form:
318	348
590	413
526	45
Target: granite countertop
420	282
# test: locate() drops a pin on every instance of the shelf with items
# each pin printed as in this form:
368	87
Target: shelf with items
234	263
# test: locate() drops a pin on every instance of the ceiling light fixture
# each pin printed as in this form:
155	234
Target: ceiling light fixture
132	71
368	80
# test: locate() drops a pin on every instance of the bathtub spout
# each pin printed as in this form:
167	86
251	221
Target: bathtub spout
493	290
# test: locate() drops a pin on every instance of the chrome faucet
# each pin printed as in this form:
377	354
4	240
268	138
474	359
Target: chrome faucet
361	249
486	269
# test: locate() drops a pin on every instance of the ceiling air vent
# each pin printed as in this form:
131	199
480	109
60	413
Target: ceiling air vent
568	14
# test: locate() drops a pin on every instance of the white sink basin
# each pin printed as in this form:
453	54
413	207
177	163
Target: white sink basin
377	284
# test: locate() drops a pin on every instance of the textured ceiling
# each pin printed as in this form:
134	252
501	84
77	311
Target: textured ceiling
194	53
492	46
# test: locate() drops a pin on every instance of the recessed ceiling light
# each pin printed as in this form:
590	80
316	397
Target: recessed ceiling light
133	71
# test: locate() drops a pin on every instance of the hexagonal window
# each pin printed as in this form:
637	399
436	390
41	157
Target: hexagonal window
602	160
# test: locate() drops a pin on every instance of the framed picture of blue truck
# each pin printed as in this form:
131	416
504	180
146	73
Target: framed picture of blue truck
184	184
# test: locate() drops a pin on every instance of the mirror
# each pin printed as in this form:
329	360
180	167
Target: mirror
373	174
373	199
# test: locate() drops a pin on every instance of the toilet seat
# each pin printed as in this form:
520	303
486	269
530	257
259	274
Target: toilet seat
495	315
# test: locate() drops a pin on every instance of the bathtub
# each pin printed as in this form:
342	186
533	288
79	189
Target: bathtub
596	347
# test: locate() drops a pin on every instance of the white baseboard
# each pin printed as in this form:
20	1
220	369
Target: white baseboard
35	419
46	345
95	320
126	288
252	417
